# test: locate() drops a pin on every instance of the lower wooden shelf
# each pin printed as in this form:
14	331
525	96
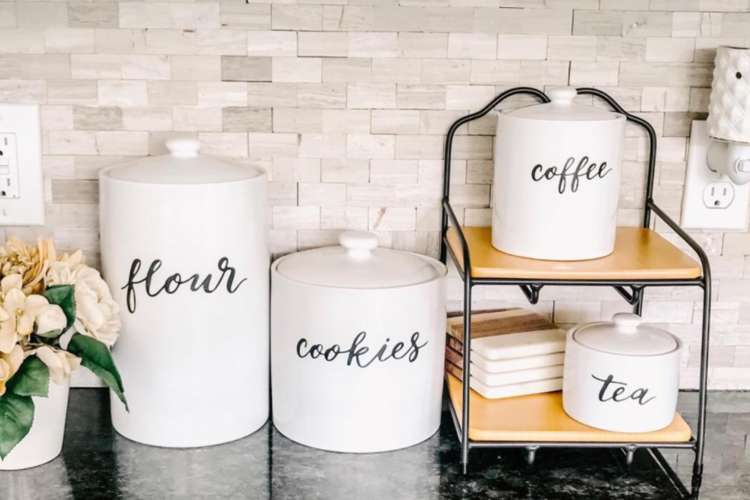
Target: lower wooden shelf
540	417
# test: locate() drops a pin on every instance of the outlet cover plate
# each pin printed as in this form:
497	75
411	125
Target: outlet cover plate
695	213
21	180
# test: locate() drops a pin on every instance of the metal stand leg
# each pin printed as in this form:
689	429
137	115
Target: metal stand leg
703	389
466	376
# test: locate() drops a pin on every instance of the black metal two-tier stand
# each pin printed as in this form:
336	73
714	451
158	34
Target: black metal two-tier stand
646	247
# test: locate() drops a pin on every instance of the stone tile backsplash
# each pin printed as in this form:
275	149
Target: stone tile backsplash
345	104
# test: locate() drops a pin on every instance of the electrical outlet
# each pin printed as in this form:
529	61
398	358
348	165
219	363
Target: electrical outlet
711	201
718	195
21	184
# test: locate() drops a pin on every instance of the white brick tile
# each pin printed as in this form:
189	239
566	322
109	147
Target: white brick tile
297	120
296	69
297	17
72	41
326	95
594	73
323	43
199	68
285	217
222	94
373	44
322	146
665	49
150	118
296	170
265	145
122	93
371	95
468	97
369	146
56	117
393	219
420	96
423	45
344	218
322	194
572	48
445	70
395	121
394	171
70	142
347	170
121	143
472	45
343	121
272	43
169	15
387	70
521	46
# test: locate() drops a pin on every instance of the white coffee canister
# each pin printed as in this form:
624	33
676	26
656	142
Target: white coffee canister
622	375
357	346
557	179
183	243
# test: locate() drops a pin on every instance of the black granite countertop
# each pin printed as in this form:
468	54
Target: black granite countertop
98	463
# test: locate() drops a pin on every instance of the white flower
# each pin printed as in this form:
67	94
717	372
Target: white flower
9	365
63	271
18	312
97	314
50	318
61	363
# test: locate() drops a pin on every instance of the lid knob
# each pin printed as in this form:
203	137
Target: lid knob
183	148
359	244
626	322
562	95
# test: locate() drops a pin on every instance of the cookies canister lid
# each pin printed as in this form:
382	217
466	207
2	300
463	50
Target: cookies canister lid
183	165
625	334
562	108
357	262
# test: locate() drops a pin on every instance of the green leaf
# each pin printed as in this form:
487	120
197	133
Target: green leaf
16	417
63	296
96	357
32	379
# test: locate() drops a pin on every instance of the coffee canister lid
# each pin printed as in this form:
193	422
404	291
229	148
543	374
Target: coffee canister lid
357	262
625	334
562	108
183	165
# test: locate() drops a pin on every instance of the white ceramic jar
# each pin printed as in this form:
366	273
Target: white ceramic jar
557	179
357	346
183	243
622	375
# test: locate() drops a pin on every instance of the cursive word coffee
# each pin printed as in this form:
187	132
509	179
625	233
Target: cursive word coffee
570	171
357	354
174	282
619	391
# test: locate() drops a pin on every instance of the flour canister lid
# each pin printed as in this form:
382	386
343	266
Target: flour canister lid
357	262
183	165
562	108
627	335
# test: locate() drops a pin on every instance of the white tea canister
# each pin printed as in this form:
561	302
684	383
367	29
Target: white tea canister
183	243
557	179
357	346
621	375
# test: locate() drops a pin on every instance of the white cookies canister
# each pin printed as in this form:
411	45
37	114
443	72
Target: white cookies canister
183	244
557	179
357	346
621	375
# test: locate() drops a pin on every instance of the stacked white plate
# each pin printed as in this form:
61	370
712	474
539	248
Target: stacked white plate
510	362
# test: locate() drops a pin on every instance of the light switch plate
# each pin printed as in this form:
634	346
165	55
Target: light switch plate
697	212
21	181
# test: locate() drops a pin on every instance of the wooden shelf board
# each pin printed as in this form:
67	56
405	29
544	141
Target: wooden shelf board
540	417
640	254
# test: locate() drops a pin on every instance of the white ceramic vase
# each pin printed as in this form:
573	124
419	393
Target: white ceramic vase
44	441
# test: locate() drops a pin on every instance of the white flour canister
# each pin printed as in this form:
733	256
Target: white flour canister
557	179
183	243
357	346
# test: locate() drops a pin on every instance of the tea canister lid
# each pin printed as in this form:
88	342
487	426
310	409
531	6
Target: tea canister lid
562	108
183	165
357	262
625	334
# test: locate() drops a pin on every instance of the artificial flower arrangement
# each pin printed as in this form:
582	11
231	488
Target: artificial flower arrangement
56	313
